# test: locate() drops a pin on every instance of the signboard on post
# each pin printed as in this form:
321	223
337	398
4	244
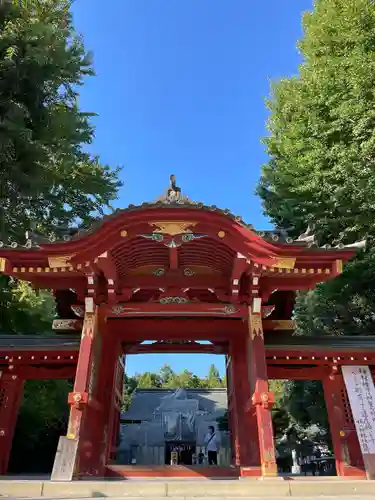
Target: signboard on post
65	459
361	393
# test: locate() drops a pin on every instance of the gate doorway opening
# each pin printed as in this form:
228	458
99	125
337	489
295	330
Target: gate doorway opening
42	419
170	401
301	427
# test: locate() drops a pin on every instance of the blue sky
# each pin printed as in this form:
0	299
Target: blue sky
180	88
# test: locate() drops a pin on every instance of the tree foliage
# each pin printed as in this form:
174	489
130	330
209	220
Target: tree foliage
321	143
42	420
46	175
166	378
24	310
320	173
48	181
321	148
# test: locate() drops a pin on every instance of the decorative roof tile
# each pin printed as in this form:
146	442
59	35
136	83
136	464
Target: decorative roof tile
172	198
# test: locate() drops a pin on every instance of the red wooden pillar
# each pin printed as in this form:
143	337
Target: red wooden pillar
233	411
232	423
262	400
115	406
349	461
11	388
246	433
84	420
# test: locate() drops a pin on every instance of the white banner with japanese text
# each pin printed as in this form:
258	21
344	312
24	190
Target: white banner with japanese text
361	393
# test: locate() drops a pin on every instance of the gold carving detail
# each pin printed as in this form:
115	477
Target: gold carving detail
59	261
284	262
279	324
339	266
3	263
268	468
88	326
256	326
66	324
73	426
173	228
221	234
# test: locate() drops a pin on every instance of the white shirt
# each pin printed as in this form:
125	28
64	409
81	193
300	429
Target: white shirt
211	441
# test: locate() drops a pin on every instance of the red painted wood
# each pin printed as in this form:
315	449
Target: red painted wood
175	279
114	250
11	387
261	399
176	348
41	372
84	418
247	448
173	258
115	407
346	447
285	373
133	329
313	356
154	309
250	472
232	407
26	357
236	236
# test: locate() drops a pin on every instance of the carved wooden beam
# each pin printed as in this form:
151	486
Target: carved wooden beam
239	266
175	280
106	264
173	258
67	325
173	306
279	324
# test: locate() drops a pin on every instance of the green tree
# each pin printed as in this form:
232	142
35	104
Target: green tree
223	422
167	376
148	380
320	172
42	420
213	379
322	151
278	387
321	143
188	380
22	309
130	385
47	178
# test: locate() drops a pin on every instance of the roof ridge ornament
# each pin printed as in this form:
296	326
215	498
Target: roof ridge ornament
308	236
173	194
358	244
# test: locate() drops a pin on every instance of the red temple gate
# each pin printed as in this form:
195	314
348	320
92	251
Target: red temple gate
176	272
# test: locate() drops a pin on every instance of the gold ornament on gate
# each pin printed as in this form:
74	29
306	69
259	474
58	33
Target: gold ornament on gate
264	397
77	397
173	228
256	326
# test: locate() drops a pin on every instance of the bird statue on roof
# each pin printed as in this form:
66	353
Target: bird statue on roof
174	192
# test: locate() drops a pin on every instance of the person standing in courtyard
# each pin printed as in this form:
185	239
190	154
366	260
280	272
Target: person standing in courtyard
211	442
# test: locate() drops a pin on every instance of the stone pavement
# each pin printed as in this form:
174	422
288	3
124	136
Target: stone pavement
245	489
351	497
